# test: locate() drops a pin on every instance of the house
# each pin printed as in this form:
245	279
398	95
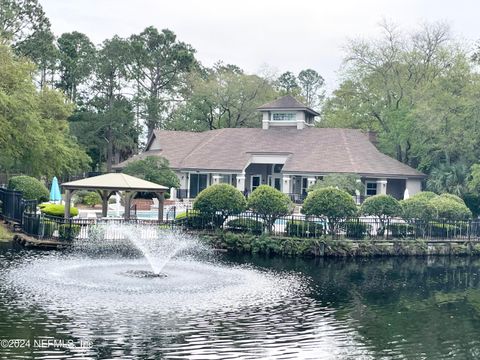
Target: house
288	153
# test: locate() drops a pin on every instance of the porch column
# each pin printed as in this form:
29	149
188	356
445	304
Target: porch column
161	198
128	197
105	196
286	184
173	193
241	182
216	179
68	198
382	186
413	186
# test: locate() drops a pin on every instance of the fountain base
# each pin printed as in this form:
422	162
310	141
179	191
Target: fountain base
144	274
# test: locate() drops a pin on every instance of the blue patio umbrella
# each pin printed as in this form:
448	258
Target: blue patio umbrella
55	191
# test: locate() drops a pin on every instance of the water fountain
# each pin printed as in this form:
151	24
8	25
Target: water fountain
142	291
144	266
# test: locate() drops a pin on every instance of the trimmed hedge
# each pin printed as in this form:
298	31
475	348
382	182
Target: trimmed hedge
57	210
31	188
245	225
194	220
304	228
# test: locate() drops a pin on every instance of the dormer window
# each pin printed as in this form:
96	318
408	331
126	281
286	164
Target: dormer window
283	116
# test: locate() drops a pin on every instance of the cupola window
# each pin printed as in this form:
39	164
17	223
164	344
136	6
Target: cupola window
283	116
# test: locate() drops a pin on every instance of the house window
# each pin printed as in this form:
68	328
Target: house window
370	188
284	116
198	182
225	179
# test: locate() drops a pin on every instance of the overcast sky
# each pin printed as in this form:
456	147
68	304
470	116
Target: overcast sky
286	35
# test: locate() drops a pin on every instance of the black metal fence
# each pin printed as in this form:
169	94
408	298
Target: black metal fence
65	230
13	206
315	227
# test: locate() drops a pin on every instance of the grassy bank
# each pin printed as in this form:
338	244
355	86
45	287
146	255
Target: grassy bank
311	247
5	234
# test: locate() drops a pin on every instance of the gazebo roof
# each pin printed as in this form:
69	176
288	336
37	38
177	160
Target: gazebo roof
114	181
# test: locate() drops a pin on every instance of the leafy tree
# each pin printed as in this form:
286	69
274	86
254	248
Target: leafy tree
106	124
221	199
20	19
449	178
311	83
418	91
154	169
384	207
473	183
37	118
224	97
40	48
287	84
269	204
31	188
157	61
348	182
333	204
77	56
473	203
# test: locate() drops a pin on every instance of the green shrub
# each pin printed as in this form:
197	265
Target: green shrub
381	206
453	197
92	198
347	182
450	209
31	188
192	219
220	199
334	204
68	231
58	210
269	204
302	228
356	229
419	207
245	225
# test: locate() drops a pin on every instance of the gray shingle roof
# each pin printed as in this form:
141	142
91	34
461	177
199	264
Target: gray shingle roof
287	102
311	150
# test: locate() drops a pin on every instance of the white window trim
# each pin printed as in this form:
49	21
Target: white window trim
371	182
251	180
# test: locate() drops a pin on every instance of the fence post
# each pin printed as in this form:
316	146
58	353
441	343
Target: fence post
469	230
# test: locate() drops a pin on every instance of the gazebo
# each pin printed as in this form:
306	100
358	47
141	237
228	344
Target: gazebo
108	184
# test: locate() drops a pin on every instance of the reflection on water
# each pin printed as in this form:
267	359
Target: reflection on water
348	308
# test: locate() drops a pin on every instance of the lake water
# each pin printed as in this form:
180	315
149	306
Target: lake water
412	308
